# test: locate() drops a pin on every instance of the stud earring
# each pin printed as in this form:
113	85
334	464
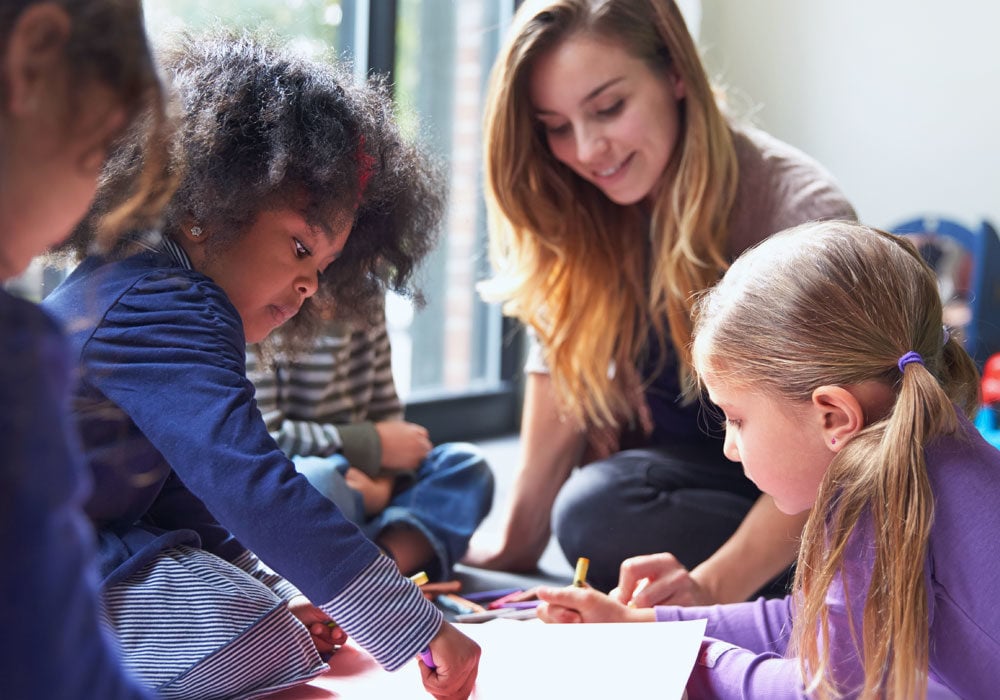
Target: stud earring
833	441
196	231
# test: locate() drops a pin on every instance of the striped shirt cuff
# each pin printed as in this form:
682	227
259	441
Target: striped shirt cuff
386	614
282	587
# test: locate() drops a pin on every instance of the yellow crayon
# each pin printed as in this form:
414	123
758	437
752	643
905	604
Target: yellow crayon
580	576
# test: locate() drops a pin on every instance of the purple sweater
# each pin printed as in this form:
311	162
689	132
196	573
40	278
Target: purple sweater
744	655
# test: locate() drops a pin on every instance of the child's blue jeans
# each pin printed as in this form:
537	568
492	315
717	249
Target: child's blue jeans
450	496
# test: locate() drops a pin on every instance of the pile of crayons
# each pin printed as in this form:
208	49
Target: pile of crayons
510	603
481	606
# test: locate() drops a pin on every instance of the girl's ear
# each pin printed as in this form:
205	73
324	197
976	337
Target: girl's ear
35	58
192	236
840	412
679	90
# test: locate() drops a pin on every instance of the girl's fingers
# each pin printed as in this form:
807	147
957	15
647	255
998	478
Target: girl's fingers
558	614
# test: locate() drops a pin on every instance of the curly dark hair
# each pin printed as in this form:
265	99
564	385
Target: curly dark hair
261	124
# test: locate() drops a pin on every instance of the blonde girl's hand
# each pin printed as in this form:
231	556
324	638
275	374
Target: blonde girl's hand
326	636
404	445
572	605
456	660
658	579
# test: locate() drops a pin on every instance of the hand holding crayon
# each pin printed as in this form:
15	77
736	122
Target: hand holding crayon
572	604
659	579
456	666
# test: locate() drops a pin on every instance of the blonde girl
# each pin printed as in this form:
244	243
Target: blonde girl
843	397
617	188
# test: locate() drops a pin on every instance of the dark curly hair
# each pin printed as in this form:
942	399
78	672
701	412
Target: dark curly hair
261	124
107	44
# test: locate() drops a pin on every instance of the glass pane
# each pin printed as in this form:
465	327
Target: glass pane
444	51
315	25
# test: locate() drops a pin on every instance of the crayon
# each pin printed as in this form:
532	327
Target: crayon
580	575
486	596
428	658
506	613
457	604
522	604
498	603
438	587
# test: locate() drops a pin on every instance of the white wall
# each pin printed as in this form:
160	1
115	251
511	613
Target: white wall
900	99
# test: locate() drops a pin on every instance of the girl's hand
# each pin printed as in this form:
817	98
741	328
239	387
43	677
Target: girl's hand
571	604
326	638
456	658
657	579
404	445
375	493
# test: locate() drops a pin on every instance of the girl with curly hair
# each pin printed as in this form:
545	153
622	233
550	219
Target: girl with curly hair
295	186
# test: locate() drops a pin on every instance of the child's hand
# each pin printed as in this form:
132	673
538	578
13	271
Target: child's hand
658	579
326	638
404	445
572	604
375	493
457	660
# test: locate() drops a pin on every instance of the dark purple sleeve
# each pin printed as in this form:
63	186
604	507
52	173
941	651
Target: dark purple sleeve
54	647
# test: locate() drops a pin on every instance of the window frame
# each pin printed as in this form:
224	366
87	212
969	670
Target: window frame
473	414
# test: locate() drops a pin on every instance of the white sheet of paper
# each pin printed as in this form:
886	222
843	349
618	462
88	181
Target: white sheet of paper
529	659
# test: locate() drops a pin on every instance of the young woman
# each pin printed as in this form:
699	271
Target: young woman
67	90
856	411
617	189
295	184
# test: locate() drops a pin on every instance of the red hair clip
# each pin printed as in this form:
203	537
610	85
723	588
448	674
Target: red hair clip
366	166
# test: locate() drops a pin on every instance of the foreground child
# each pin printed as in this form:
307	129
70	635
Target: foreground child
824	349
66	92
295	183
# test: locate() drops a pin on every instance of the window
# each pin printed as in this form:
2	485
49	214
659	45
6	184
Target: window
452	348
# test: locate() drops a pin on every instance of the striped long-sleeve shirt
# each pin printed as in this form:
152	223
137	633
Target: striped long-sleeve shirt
328	399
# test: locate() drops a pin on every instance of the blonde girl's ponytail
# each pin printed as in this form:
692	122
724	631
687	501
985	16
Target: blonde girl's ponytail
903	513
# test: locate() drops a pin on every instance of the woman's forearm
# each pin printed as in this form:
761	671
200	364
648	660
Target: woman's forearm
763	546
550	448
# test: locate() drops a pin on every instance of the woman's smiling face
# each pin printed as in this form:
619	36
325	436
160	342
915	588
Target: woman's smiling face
607	115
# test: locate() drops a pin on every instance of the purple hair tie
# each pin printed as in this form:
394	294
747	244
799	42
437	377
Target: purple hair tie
908	358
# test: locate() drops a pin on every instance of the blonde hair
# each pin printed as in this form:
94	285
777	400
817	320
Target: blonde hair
587	274
838	303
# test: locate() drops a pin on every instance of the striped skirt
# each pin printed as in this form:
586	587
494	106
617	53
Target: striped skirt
191	625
